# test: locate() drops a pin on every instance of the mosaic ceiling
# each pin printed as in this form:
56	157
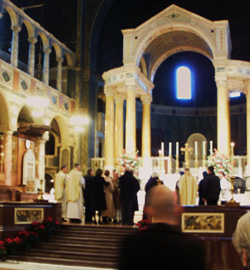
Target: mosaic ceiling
174	40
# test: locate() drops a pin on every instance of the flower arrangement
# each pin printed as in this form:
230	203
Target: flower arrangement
27	238
143	225
221	163
130	162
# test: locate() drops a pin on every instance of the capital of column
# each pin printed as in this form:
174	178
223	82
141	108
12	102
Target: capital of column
32	40
109	91
119	98
130	88
16	28
221	82
146	99
59	60
47	50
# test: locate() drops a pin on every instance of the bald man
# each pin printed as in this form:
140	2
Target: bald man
162	246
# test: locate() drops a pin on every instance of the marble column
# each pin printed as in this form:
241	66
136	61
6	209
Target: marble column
40	158
8	156
248	128
31	64
59	74
14	45
109	130
146	129
223	118
119	100
130	140
46	65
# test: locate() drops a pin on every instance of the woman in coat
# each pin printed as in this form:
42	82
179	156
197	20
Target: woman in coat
98	195
108	214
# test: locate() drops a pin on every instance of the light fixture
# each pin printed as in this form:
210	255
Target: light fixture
235	94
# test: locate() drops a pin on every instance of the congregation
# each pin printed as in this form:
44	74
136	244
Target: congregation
105	199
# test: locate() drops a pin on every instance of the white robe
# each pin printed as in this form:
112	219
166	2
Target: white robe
75	209
188	189
60	194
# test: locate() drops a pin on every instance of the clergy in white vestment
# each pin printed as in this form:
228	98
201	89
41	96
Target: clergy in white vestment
74	195
188	188
60	185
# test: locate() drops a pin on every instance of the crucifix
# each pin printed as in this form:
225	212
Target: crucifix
187	149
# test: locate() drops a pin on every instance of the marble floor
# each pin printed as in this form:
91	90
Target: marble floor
11	265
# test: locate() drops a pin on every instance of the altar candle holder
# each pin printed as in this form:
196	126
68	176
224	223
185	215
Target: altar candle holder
40	192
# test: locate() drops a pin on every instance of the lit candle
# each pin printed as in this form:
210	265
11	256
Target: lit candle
170	149
162	148
177	148
159	153
232	149
211	147
204	148
195	148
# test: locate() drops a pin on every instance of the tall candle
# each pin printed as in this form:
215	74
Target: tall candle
211	147
177	149
162	149
170	149
204	148
195	148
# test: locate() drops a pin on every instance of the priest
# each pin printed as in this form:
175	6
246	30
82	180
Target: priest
59	185
74	195
188	188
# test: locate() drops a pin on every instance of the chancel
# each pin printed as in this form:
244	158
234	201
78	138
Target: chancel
155	87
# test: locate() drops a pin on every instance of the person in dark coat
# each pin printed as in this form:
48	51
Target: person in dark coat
129	186
98	195
153	181
200	188
87	194
211	187
161	246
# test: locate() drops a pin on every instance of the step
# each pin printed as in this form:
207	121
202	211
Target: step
81	240
75	247
63	261
91	256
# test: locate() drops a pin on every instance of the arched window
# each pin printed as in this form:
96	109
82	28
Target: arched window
183	83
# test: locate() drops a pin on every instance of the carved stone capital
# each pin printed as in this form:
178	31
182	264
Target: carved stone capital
221	82
16	28
119	98
109	91
146	99
59	59
32	40
47	50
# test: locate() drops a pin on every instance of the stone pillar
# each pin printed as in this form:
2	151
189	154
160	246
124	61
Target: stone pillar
31	65
14	45
8	156
59	74
223	118
130	144
109	130
146	130
46	65
40	158
119	99
247	172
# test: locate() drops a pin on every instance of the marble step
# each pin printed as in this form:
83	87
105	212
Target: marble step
63	261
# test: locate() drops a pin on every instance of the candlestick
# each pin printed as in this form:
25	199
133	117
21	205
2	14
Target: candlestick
162	148
177	149
195	148
204	148
170	149
211	147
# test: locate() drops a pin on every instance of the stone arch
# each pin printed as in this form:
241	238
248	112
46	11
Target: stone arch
63	128
25	115
30	28
4	113
13	15
45	40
